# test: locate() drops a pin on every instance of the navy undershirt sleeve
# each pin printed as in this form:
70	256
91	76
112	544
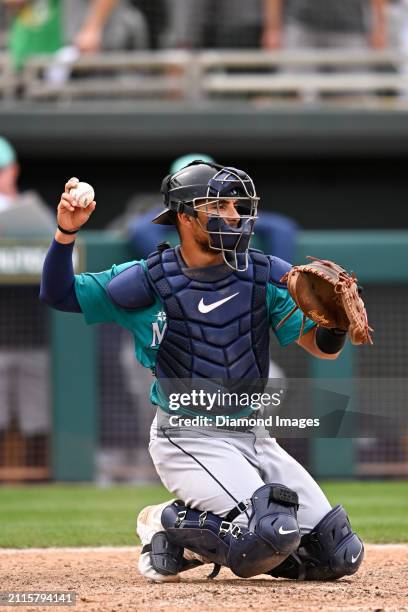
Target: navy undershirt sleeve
57	281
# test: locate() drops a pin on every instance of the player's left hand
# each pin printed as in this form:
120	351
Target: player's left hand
327	294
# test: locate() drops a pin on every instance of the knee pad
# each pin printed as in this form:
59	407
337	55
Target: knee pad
272	533
331	550
274	518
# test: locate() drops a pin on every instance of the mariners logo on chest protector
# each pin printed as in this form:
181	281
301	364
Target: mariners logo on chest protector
158	329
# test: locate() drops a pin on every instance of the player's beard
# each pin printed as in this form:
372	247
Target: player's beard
203	240
203	243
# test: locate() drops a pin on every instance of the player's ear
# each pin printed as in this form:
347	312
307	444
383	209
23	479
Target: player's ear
183	219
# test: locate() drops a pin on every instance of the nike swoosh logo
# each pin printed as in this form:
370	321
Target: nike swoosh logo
353	558
283	531
204	308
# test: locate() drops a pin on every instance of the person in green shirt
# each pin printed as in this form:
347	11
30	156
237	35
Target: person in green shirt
35	29
46	26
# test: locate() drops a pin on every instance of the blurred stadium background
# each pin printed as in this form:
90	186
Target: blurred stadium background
321	126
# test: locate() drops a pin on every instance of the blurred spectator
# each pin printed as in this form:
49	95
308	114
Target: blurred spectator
35	28
104	25
228	24
156	15
235	24
394	18
44	26
325	24
24	379
351	24
11	197
397	17
3	27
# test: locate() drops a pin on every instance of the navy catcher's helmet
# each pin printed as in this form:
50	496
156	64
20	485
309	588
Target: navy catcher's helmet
193	187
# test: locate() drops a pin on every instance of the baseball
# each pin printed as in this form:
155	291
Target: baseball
83	193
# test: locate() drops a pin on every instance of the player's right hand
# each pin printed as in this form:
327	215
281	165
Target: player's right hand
70	215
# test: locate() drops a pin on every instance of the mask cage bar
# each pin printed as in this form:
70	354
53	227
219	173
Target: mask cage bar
246	222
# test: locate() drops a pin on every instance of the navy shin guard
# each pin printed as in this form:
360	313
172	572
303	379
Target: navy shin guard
272	533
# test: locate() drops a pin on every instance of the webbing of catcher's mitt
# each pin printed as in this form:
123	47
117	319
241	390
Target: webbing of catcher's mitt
328	295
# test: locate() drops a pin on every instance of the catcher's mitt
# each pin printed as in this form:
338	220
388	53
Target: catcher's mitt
328	294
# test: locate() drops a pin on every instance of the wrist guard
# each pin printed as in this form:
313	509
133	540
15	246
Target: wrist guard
330	341
68	232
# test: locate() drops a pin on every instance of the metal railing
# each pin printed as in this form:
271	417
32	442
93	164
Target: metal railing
8	79
182	75
113	75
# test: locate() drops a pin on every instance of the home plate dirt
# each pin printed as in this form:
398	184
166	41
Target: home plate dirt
107	579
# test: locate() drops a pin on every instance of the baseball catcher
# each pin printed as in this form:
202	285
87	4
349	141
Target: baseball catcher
204	311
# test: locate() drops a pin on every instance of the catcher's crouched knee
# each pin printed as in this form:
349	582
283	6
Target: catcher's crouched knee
330	551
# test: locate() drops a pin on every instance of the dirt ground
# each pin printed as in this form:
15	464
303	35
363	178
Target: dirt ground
107	579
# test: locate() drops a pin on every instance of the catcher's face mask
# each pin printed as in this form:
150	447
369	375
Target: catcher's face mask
229	234
206	187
